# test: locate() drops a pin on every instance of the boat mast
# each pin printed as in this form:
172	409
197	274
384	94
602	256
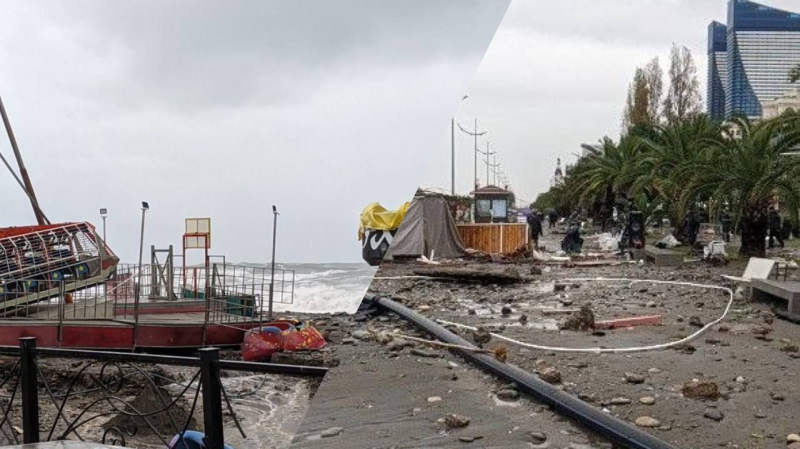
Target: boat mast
40	217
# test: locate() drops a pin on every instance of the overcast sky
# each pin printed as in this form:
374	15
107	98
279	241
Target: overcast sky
556	75
222	109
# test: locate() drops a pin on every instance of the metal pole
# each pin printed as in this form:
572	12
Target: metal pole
453	157
104	228
272	266
212	398
30	390
40	218
487	163
139	283
476	154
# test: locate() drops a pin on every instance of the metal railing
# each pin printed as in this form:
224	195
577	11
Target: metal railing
222	294
101	386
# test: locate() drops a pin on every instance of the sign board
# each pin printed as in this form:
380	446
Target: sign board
197	233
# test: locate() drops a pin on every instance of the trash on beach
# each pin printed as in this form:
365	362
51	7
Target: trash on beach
500	352
667	242
424	260
608	242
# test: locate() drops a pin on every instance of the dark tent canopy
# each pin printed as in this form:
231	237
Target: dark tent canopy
427	229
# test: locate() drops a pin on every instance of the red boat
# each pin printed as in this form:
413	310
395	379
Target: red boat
278	336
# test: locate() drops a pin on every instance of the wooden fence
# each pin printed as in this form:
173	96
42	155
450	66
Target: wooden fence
502	238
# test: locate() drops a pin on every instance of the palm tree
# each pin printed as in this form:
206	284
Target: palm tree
667	151
605	174
750	172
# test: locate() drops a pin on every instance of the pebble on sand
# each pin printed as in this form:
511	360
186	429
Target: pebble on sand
698	389
332	432
633	378
456	420
647	421
550	375
714	414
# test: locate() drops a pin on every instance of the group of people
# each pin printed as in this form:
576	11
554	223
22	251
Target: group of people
691	226
688	235
572	241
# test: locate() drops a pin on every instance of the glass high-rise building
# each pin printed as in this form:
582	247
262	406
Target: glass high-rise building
717	69
751	65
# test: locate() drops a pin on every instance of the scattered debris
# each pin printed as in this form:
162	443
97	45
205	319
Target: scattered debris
582	320
463	274
647	320
700	389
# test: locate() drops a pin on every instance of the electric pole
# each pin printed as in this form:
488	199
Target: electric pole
453	156
475	134
487	153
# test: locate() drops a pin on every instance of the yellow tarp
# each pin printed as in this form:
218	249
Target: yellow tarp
375	216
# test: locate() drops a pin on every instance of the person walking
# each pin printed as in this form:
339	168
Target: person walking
552	217
725	219
534	230
604	215
774	228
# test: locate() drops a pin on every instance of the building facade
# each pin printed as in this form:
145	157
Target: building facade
789	101
752	67
717	69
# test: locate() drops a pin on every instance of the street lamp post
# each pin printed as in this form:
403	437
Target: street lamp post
103	214
453	157
272	265
453	152
145	208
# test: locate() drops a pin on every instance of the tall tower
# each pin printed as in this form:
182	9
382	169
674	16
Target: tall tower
763	46
558	176
717	70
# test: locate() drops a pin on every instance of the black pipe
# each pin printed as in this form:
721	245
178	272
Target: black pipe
590	417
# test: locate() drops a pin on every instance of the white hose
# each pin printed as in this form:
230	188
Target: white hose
617	350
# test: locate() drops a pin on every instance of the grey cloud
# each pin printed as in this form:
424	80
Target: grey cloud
317	107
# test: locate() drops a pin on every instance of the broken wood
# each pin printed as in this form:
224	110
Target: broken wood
548	312
648	320
462	274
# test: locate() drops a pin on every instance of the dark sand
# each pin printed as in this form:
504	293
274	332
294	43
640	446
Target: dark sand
378	396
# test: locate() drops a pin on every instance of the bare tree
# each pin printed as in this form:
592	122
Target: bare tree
683	97
655	84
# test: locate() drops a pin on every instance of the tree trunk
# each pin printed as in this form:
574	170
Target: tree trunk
754	232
